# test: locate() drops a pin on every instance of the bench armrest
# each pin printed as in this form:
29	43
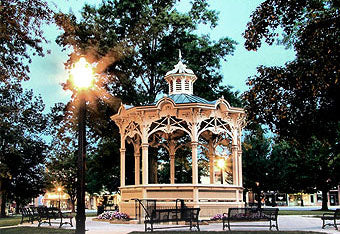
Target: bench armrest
327	214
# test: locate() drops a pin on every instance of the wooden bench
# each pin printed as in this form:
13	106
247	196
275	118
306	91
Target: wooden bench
46	214
331	217
251	214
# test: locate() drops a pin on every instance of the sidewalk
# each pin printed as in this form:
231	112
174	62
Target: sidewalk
286	223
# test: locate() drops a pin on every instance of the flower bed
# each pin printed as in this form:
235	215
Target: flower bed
217	217
113	215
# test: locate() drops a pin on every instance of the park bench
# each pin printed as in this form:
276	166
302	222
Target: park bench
30	213
46	214
332	217
154	215
253	215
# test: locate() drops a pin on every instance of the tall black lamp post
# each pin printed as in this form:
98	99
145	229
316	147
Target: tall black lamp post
82	75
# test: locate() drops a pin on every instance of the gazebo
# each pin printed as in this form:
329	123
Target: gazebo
211	130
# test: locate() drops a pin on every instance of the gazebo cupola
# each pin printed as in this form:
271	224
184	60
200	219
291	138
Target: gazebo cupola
180	79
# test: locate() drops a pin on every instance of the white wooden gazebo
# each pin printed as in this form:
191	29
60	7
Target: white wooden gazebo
214	129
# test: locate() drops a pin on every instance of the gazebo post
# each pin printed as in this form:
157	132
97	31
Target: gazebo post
240	182
211	161
235	164
122	161
137	167
145	163
194	170
172	169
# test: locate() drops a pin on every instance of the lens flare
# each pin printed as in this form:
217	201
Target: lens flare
220	163
82	74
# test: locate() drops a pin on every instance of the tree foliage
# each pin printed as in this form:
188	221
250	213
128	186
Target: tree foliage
21	35
22	150
256	162
299	101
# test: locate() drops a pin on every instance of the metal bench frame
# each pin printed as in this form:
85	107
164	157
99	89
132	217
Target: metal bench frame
251	214
331	217
155	215
46	214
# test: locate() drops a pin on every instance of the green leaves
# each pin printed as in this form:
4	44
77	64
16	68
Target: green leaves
22	150
21	36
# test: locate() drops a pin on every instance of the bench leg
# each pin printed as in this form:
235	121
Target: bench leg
323	224
40	221
61	222
335	225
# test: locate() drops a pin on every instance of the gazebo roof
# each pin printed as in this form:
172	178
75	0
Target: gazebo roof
184	98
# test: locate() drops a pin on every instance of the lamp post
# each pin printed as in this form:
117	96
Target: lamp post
220	164
82	75
59	192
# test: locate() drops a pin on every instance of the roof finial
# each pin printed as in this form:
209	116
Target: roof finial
180	55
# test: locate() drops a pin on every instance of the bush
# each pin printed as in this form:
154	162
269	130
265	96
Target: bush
111	215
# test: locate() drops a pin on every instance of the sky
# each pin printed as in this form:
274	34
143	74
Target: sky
47	73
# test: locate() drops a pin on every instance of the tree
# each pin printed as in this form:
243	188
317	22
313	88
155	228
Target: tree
256	164
134	44
62	170
22	150
21	36
299	101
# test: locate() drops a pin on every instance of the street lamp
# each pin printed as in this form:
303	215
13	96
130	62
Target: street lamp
220	164
59	191
82	78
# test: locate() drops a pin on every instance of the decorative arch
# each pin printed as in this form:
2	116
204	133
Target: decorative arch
169	124
132	129
215	125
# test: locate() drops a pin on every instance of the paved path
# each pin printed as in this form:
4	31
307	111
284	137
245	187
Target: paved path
286	223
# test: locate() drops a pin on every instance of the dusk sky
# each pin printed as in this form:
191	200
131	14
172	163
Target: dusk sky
48	72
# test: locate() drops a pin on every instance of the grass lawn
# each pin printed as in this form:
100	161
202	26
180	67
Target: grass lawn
10	221
34	230
302	212
224	232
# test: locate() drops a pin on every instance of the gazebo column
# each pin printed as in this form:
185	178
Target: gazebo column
235	164
240	181
194	171
211	161
194	163
172	169
122	161
172	150
211	168
145	166
122	167
137	167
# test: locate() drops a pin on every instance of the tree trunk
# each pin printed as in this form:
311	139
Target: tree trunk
3	205
259	199
324	199
73	201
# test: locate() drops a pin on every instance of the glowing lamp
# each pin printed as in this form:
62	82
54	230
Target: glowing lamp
82	73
